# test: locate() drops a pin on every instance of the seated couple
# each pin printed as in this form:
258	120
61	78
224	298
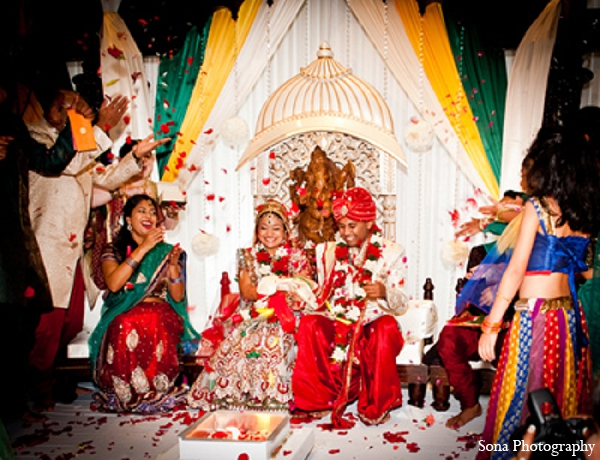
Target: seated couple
288	343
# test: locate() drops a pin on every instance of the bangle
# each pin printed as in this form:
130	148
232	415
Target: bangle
175	280
488	327
132	263
503	297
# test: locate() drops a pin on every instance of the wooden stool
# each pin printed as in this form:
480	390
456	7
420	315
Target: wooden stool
416	376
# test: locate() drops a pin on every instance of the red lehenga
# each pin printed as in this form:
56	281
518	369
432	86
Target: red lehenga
134	349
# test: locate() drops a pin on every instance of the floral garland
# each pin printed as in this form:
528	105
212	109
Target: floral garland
277	265
349	298
266	265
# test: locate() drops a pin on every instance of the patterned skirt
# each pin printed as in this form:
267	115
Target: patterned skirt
138	361
251	369
540	351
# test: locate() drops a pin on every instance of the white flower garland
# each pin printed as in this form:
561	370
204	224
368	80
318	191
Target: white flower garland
364	266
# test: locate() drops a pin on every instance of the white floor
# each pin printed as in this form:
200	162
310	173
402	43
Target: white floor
74	430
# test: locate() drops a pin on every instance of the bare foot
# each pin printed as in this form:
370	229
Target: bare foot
386	418
464	417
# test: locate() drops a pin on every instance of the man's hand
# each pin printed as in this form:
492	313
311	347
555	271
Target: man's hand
144	148
111	112
375	290
72	100
525	450
469	228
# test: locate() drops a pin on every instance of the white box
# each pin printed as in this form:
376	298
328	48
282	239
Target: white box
170	192
224	435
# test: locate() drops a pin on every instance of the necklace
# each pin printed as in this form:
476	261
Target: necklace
350	274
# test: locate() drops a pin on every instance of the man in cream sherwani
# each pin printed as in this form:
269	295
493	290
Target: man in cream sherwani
59	208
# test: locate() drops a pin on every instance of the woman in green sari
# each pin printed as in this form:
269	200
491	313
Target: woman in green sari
144	321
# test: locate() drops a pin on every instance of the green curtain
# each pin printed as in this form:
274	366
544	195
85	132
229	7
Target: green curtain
176	80
589	295
484	79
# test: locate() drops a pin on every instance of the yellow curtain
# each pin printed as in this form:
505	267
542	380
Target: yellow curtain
219	58
440	68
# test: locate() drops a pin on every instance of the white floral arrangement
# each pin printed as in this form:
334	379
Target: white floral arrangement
235	132
454	253
418	135
205	244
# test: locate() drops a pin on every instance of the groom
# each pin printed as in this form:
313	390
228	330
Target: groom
347	349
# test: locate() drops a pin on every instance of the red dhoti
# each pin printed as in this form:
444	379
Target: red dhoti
317	381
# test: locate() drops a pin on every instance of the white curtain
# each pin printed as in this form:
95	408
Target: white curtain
405	67
526	93
432	188
123	73
220	199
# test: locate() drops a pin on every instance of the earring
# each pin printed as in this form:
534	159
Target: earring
129	227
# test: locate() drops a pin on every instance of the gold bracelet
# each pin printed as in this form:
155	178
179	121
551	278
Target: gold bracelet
503	297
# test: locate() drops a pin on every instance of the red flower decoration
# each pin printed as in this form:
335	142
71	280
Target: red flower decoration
115	52
237	318
373	252
280	266
263	257
266	181
341	252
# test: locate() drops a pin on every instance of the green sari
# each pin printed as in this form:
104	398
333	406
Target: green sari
141	282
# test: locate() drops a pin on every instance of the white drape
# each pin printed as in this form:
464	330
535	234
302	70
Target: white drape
431	188
273	21
229	214
220	200
405	67
526	93
123	73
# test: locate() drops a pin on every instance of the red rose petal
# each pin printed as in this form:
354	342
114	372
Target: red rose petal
29	292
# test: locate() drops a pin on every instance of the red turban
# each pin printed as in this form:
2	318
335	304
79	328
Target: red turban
356	204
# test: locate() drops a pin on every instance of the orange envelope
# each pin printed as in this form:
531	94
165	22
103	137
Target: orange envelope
83	132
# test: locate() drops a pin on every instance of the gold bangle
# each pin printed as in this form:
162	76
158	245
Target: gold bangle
503	297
